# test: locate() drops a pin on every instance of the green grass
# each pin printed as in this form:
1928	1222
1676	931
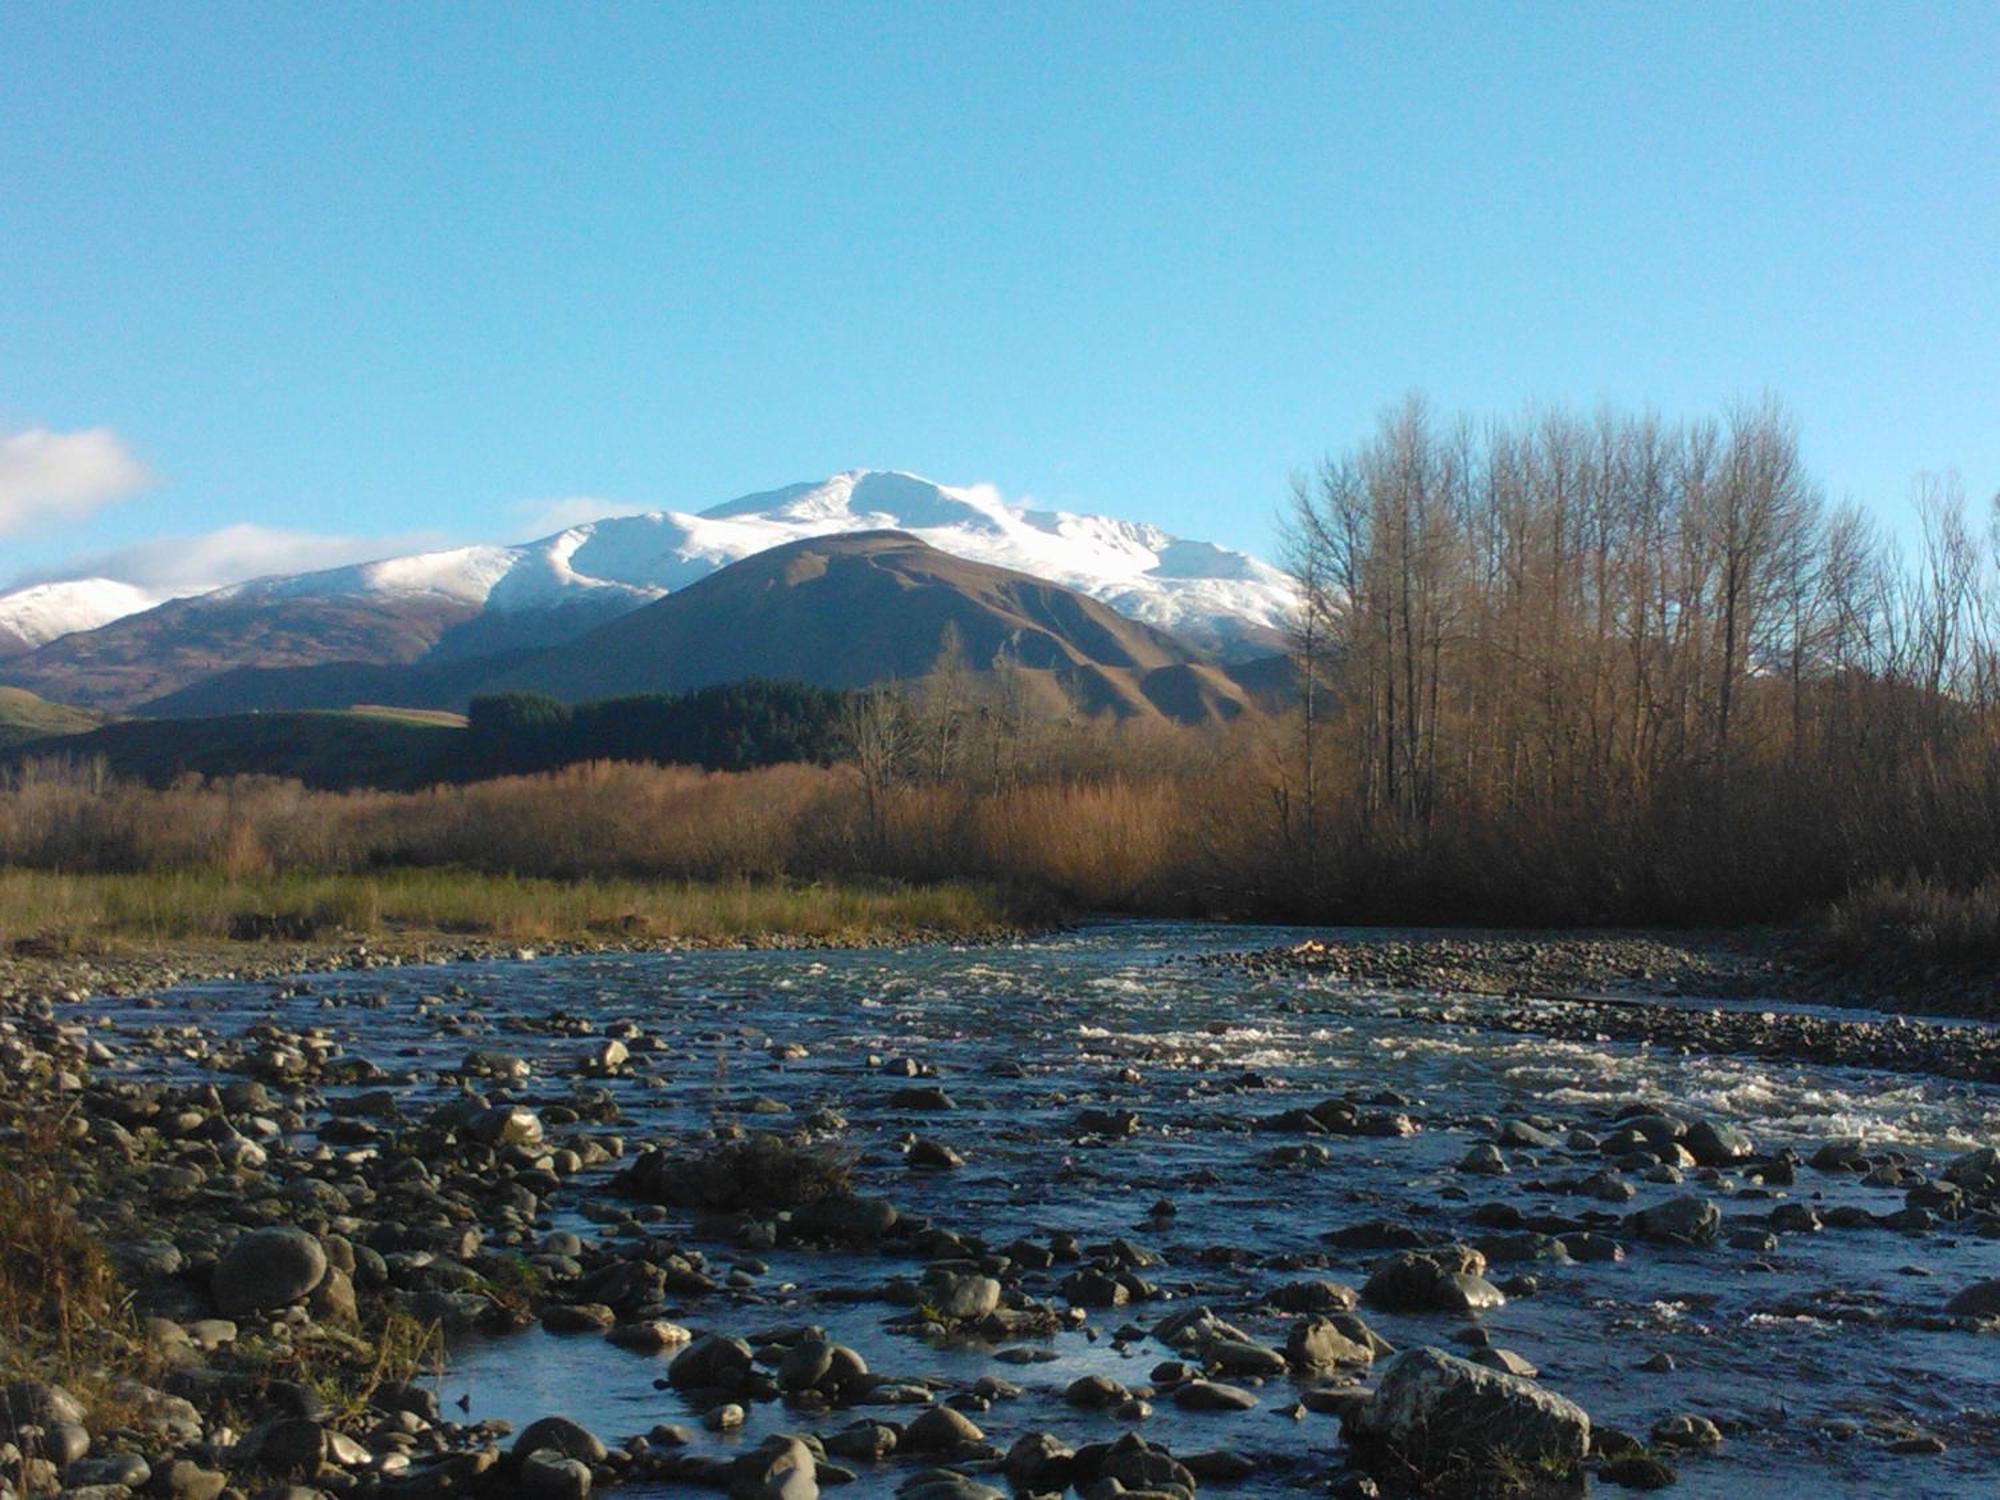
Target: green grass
65	913
24	717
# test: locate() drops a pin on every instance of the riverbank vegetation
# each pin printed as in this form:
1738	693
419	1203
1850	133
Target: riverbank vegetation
1561	671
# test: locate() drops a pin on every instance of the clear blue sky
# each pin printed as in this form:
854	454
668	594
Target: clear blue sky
370	270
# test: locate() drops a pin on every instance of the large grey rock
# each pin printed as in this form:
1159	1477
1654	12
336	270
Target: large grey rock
961	1299
507	1125
779	1468
1435	1412
1318	1344
1446	1280
1686	1220
32	1403
267	1269
547	1475
714	1362
1980	1300
1978	1172
561	1435
1714	1144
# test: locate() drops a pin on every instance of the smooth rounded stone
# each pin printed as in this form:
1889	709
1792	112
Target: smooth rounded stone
940	1429
1040	1463
724	1418
183	1479
946	1485
844	1219
1686	1220
1523	1135
578	1317
866	1442
1133	1463
961	1299
1209	1395
926	1155
1432	1281
1687	1433
1319	1344
548	1476
1220	1466
1241	1357
1592	1249
1714	1144
1485	1161
1796	1218
654	1336
561	1435
1756	1241
1980	1300
805	1365
1095	1392
1527	1245
929	1098
151	1260
333	1300
1315	1297
267	1269
1505	1360
63	1443
1431	1407
779	1468
714	1362
1607	1187
128	1470
489	1064
506	1125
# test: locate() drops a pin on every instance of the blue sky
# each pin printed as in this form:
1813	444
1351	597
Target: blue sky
334	277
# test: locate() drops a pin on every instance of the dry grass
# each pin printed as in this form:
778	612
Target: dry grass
48	913
1918	923
64	1316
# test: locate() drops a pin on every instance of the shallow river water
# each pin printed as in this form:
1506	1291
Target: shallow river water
1117	1015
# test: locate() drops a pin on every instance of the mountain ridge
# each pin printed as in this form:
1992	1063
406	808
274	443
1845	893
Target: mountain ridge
473	601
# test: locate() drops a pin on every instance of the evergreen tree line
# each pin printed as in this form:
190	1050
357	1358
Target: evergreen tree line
735	726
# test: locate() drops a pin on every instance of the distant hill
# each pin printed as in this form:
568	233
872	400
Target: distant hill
24	717
870	607
734	727
96	643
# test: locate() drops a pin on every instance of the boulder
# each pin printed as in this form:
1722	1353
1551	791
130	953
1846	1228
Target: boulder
1686	1220
1437	1413
267	1269
779	1468
1446	1281
711	1363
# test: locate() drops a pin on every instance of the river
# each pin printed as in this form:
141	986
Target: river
1803	1354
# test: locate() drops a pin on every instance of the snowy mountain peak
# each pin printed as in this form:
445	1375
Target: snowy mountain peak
1221	600
40	613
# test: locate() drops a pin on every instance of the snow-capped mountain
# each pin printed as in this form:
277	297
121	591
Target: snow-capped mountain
42	612
474	601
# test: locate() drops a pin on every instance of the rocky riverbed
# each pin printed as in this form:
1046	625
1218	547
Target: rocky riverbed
1076	1214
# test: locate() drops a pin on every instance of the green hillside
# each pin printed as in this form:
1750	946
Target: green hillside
25	717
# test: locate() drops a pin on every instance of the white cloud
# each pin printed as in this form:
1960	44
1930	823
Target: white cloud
176	565
63	476
546	517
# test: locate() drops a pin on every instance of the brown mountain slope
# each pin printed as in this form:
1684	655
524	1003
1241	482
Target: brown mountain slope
870	607
144	656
